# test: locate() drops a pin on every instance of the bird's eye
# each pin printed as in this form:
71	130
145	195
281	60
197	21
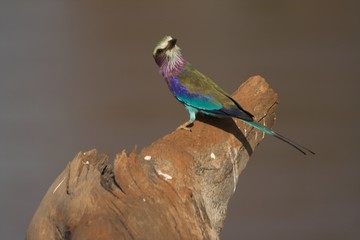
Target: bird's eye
159	50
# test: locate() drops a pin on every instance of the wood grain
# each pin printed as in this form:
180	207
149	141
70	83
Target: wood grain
176	188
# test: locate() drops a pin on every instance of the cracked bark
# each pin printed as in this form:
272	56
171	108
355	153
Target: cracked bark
176	188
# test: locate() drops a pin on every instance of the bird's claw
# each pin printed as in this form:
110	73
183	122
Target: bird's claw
185	126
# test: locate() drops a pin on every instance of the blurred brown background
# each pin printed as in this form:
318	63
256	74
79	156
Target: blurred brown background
77	75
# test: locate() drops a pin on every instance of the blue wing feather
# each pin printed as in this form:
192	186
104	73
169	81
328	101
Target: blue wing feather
194	89
195	100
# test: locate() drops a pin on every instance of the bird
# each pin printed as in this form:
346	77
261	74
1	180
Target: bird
199	94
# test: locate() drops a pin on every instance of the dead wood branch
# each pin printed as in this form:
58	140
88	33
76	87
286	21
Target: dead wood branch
176	188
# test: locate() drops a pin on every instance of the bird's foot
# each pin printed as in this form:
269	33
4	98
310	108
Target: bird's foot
185	126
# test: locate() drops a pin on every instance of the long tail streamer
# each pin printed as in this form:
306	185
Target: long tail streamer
299	147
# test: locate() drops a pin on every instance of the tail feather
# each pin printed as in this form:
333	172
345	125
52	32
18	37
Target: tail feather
299	147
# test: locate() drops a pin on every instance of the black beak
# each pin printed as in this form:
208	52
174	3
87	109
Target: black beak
172	43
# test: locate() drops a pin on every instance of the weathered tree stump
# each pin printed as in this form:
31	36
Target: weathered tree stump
176	188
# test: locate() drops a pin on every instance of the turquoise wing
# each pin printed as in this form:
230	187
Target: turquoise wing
196	90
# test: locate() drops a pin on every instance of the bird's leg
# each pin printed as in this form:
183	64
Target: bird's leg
192	113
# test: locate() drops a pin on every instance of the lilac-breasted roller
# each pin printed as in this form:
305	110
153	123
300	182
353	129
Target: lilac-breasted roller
199	93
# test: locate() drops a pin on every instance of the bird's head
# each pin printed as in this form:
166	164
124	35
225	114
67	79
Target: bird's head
166	51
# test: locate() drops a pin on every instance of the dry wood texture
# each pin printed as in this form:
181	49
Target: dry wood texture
176	188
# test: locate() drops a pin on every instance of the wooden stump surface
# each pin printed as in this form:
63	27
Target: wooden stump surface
176	188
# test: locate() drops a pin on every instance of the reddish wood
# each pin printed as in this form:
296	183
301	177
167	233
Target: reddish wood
182	192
